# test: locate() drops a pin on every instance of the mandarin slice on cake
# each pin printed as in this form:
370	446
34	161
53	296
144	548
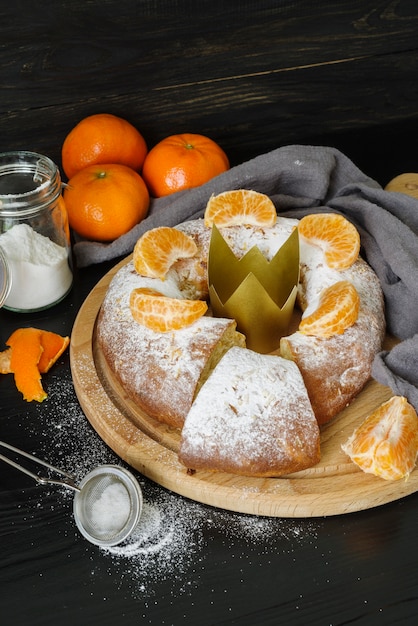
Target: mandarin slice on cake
161	313
240	207
337	310
337	237
159	248
386	443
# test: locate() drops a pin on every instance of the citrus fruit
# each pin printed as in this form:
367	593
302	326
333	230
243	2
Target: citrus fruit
159	248
161	313
337	237
102	138
240	206
337	310
105	201
404	183
181	162
386	443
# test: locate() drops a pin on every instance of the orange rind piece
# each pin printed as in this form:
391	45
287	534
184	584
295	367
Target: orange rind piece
240	207
161	313
31	352
159	248
335	235
337	310
53	346
26	352
386	443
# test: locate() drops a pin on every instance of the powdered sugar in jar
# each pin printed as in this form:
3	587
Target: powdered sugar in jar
34	232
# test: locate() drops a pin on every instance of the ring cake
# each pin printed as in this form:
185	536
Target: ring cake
237	410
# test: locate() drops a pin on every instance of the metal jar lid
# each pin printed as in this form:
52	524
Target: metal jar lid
5	281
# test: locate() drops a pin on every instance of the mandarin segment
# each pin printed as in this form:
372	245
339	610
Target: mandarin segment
161	313
240	207
335	235
159	248
337	310
386	443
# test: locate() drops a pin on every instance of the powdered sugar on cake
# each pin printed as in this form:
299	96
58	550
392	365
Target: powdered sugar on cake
252	416
242	238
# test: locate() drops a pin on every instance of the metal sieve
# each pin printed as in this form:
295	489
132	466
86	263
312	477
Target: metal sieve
107	502
108	505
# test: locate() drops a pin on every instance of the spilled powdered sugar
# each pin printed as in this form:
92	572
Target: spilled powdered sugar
174	534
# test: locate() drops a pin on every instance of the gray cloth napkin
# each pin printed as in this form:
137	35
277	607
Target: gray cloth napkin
300	180
398	369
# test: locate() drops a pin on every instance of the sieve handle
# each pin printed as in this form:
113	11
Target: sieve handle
68	481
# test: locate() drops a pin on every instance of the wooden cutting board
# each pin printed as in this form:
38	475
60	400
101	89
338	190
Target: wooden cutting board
334	486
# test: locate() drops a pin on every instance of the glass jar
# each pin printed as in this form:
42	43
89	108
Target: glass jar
4	278
34	233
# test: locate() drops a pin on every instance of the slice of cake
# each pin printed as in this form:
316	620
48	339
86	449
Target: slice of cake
251	417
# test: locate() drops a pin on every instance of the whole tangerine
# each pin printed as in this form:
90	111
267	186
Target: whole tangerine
102	138
182	162
105	201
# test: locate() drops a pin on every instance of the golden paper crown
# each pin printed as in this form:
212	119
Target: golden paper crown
259	294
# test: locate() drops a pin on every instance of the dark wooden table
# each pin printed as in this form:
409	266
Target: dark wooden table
253	75
192	564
